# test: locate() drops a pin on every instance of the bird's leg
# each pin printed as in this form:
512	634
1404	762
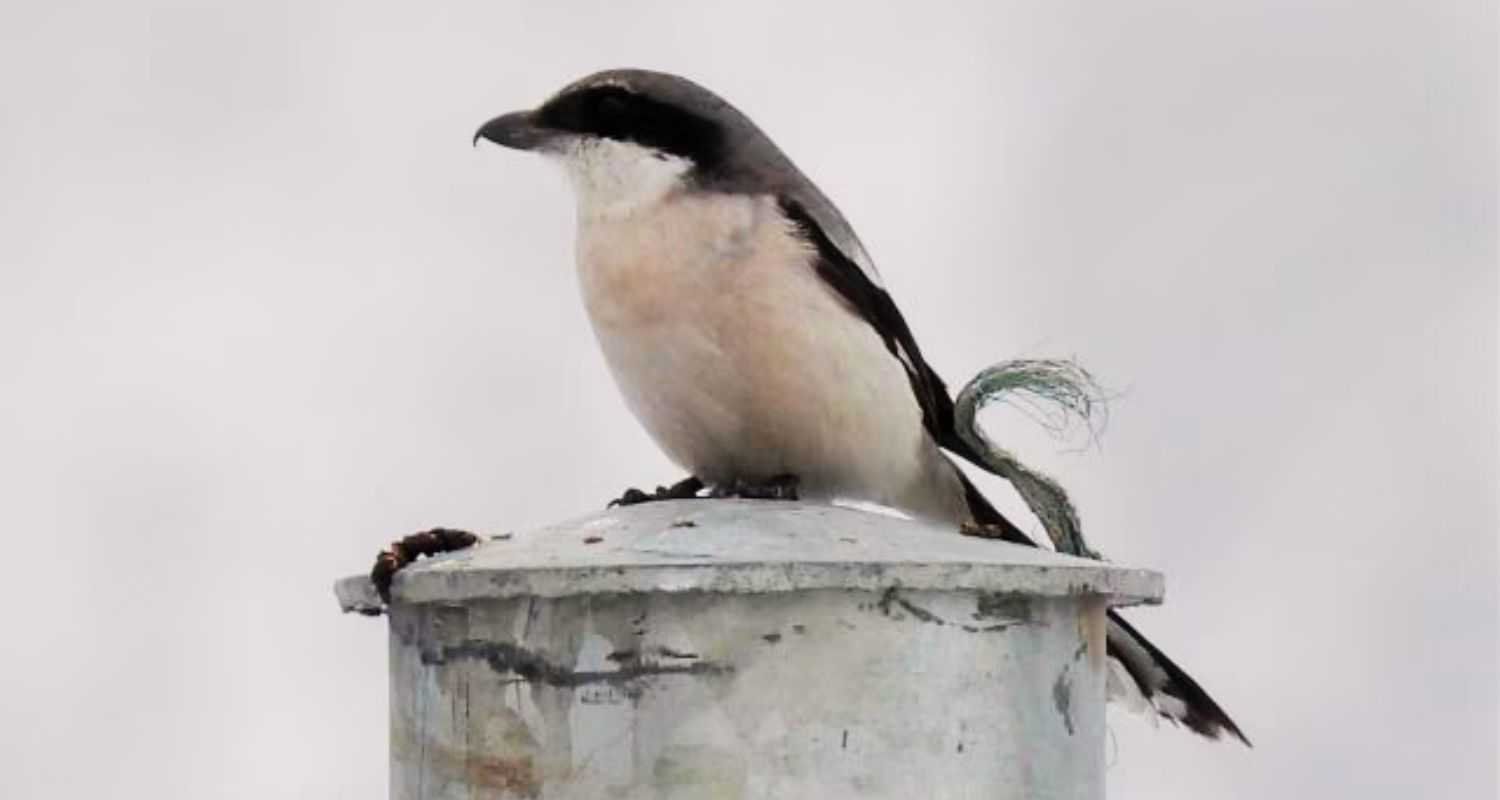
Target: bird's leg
685	489
407	549
781	487
989	530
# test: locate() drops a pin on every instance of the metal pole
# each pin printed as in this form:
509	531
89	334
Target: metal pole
730	649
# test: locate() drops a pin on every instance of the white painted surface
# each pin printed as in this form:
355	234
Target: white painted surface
739	657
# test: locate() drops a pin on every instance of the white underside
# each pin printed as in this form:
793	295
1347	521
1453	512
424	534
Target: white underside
739	360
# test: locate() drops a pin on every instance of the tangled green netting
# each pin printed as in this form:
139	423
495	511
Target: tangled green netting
1055	393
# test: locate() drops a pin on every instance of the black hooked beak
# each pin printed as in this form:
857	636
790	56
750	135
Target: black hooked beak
517	130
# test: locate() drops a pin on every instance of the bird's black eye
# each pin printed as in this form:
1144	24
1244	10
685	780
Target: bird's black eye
614	112
610	106
600	111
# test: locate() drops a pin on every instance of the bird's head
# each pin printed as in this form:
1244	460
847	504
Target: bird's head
628	137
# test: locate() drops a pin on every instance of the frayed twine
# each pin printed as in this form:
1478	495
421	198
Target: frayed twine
1056	394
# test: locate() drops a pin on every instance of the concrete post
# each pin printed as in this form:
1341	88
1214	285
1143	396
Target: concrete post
731	649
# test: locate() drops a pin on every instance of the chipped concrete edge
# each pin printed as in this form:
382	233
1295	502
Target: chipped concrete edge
1121	586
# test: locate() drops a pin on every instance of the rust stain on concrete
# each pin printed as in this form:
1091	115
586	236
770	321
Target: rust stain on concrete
508	777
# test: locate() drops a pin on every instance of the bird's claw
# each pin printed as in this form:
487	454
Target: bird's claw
685	489
982	531
781	487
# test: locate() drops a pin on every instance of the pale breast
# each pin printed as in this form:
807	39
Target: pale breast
740	361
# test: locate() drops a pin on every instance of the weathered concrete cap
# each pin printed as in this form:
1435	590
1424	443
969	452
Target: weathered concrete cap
752	547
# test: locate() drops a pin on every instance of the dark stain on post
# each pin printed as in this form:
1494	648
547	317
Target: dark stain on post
509	658
892	599
1062	698
632	657
772	638
1002	605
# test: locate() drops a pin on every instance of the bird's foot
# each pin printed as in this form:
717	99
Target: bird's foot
1002	531
781	487
981	530
407	549
1008	533
685	489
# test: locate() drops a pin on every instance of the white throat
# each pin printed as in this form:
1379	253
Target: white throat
613	179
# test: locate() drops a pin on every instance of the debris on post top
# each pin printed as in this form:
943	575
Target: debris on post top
749	650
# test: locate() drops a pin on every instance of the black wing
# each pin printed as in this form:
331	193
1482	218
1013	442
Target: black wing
1147	665
875	306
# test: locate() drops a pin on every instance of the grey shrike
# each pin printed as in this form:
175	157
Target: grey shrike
749	332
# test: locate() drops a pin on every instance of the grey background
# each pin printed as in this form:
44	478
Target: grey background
262	308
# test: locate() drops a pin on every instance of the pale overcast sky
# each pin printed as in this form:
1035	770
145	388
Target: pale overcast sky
263	308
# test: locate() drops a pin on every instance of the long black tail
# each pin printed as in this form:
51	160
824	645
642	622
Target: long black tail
1158	682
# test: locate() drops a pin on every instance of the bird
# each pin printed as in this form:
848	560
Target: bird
749	332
